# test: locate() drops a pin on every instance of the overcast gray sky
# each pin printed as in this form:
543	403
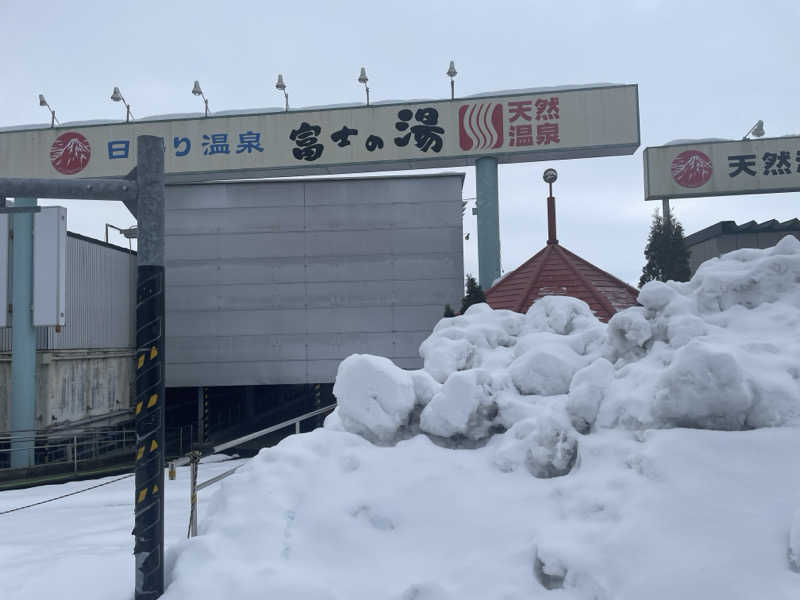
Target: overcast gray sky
704	69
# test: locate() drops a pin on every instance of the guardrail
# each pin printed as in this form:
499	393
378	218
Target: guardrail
193	459
68	448
71	448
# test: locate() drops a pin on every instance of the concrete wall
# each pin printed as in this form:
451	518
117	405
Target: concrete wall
72	385
276	282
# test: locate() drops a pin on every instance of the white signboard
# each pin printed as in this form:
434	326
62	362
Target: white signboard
49	266
538	125
722	168
4	270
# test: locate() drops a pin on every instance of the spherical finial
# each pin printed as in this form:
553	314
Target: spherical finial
550	175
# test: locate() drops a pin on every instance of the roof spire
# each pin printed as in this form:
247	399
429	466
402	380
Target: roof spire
550	175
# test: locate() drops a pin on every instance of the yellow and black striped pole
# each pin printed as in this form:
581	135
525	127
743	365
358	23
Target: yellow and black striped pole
150	371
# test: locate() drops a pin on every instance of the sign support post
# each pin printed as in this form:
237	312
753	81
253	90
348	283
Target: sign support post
23	341
488	221
149	508
665	209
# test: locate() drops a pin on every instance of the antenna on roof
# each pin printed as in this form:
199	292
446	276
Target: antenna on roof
550	175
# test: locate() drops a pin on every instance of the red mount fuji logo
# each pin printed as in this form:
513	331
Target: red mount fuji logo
691	168
70	153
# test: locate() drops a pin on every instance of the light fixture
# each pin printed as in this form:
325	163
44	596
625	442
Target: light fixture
53	120
756	130
362	78
131	233
280	85
198	91
451	72
116	96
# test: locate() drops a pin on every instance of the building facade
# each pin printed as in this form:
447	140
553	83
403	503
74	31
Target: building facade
84	369
268	284
726	236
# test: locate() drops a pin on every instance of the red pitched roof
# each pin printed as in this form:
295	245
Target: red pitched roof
557	271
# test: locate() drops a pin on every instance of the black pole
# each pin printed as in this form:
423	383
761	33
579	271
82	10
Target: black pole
150	371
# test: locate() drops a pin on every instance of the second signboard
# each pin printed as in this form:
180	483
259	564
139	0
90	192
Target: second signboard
720	168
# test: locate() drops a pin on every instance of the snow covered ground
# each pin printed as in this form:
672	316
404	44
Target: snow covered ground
81	546
545	455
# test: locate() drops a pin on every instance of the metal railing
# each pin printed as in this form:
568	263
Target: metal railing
68	447
86	444
193	459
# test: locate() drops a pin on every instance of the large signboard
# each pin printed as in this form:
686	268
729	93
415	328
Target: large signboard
537	125
721	168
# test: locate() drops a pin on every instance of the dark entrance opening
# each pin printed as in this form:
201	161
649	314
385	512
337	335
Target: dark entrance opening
199	418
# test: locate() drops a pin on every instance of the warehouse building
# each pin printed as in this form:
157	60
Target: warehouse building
726	236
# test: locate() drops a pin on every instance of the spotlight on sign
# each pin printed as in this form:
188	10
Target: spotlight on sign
53	120
280	85
198	91
756	130
116	96
451	72
362	78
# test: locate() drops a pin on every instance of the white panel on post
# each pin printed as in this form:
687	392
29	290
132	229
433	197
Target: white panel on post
49	266
4	270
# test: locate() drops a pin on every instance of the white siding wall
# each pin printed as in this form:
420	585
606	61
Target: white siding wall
100	299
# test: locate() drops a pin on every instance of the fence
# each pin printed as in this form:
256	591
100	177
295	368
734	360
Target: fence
69	448
87	446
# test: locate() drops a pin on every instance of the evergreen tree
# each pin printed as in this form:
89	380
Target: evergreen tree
666	252
448	311
474	294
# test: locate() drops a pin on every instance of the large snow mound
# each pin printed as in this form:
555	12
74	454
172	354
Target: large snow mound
721	351
676	513
544	455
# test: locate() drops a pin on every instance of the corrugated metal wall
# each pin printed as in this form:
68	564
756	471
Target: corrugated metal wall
101	284
277	282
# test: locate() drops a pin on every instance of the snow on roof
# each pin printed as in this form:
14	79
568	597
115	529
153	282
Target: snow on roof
538	90
685	141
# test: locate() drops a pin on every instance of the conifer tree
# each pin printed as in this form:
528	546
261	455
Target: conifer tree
666	252
448	311
474	294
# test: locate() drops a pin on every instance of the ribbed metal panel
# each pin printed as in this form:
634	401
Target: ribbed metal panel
100	292
277	282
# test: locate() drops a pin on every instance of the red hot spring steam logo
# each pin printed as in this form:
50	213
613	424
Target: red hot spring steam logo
70	153
480	126
691	168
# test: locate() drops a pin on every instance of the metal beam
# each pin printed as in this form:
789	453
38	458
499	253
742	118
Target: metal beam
77	189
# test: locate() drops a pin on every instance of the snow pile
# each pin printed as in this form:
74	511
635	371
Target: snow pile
541	455
327	515
718	352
